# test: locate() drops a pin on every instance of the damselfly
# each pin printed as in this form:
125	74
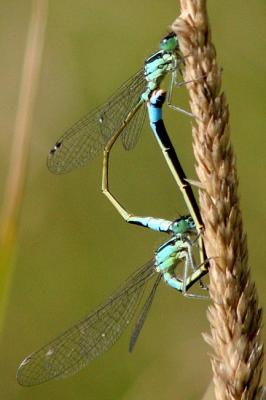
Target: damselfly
123	115
97	332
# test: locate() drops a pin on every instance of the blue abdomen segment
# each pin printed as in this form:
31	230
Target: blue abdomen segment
156	224
173	282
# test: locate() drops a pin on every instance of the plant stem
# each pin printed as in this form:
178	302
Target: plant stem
234	315
20	147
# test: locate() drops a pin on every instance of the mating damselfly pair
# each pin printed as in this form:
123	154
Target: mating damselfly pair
123	115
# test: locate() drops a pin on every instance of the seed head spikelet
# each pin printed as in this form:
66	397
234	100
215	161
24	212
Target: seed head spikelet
234	316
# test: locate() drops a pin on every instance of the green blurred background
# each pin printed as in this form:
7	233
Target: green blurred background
73	247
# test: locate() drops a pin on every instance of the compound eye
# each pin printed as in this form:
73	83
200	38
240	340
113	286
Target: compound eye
192	223
169	42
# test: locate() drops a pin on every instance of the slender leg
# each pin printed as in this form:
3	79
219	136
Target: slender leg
189	280
169	96
174	82
182	285
189	263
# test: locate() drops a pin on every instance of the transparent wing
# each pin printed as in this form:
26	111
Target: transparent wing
131	133
89	338
143	315
89	135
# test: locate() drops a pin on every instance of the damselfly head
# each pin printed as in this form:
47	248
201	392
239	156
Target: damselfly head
183	225
169	42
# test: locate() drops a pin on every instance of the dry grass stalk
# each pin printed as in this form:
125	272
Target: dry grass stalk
20	145
234	315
